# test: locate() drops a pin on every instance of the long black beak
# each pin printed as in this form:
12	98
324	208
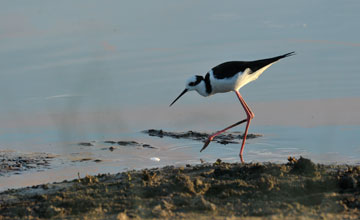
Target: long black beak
183	92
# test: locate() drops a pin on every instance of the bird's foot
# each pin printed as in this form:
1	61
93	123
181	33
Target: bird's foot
207	142
241	158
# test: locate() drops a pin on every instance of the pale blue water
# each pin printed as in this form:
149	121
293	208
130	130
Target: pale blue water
63	60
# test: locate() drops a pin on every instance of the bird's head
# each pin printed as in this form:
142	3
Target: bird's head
193	83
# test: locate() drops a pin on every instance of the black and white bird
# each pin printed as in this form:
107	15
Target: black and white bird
227	77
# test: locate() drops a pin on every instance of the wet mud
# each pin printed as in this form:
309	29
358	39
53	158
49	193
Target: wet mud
297	189
12	162
224	138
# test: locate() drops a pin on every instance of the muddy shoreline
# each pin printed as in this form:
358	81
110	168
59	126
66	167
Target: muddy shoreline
299	188
12	162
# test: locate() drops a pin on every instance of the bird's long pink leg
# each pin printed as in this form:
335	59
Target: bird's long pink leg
207	142
250	115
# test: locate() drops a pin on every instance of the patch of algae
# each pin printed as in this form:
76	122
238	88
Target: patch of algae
298	189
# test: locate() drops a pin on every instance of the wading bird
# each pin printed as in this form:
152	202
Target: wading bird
227	77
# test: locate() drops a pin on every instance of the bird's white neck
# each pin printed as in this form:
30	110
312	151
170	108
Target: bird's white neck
201	89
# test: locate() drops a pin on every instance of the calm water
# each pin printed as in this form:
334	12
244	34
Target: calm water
76	71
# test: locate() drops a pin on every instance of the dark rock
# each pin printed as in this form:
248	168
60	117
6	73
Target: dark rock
87	144
148	146
127	143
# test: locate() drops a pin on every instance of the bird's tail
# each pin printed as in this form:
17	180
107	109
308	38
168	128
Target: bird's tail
258	64
286	55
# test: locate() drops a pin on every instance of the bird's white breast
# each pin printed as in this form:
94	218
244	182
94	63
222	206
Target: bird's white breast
222	85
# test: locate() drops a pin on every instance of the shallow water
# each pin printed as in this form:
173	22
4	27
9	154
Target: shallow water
108	71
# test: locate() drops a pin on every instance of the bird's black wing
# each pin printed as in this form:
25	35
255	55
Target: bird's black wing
229	69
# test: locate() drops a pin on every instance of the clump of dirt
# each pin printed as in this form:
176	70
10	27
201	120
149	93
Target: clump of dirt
12	162
224	138
298	189
302	166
